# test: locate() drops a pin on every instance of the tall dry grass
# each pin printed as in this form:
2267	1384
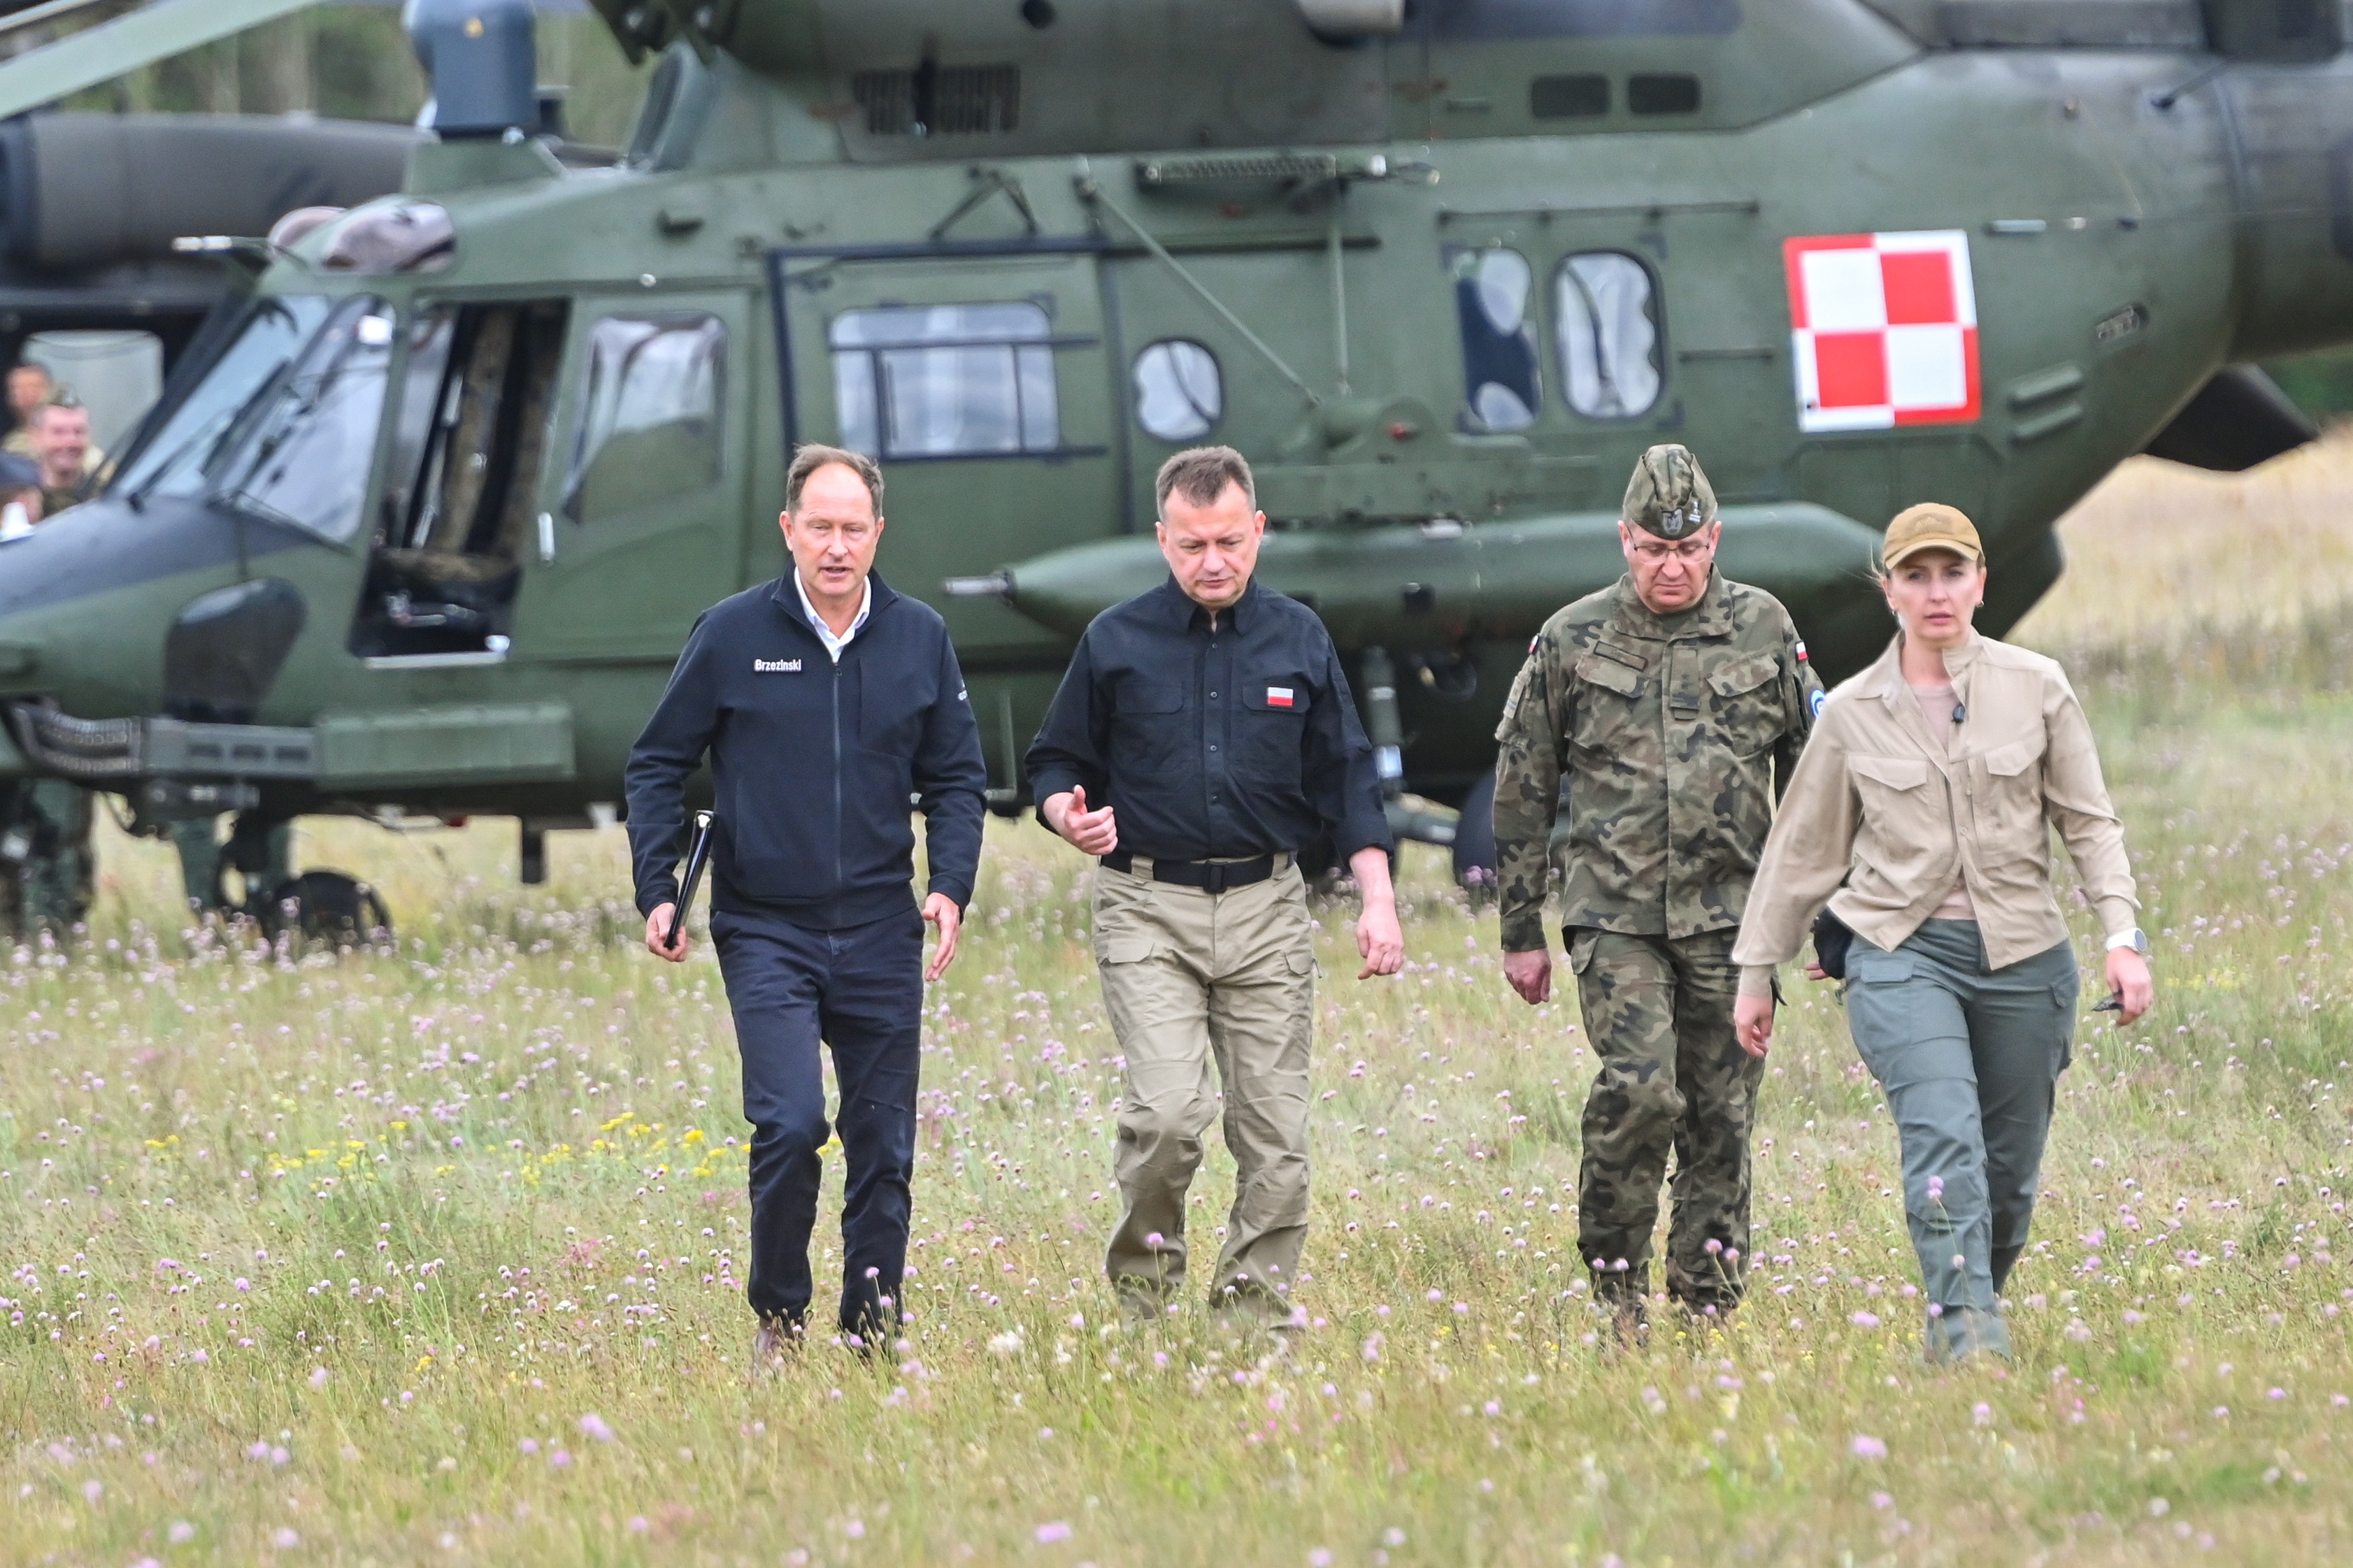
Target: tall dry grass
2160	555
433	1254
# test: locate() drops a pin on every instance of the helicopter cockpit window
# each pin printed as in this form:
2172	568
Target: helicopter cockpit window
186	438
1180	396
649	420
307	448
1502	387
1608	329
946	381
468	441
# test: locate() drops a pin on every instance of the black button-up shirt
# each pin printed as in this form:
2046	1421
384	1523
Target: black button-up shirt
1232	740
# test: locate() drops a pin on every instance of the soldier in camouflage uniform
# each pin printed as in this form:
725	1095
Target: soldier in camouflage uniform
47	861
1658	717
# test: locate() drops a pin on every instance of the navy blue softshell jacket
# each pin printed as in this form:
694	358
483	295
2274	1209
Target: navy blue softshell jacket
814	765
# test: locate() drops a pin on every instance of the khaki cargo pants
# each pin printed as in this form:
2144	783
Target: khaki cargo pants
1191	977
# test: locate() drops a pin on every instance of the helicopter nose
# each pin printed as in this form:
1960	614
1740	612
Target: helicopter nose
116	611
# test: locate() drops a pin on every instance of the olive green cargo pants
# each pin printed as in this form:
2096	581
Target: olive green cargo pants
1970	1060
1673	1078
1192	979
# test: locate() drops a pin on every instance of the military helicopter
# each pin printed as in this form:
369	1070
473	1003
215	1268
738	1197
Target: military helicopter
421	522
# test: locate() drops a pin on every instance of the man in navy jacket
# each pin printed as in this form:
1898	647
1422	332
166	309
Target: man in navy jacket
825	703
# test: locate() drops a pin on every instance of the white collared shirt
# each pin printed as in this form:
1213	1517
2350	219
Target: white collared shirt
834	645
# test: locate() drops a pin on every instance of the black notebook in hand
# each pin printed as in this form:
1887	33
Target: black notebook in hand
698	855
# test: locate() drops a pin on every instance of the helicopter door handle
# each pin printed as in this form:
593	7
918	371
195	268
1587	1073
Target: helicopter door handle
546	537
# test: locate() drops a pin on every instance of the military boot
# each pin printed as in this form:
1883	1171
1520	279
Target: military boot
1702	1321
1624	1296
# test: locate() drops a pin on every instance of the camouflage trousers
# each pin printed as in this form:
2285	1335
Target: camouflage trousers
48	864
1673	1078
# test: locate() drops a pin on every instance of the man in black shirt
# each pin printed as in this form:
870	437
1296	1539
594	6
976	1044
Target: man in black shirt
825	701
1211	722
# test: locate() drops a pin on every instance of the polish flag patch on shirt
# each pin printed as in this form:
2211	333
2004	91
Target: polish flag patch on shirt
1883	329
1278	697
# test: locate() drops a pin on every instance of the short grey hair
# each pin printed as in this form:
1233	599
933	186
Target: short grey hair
1200	474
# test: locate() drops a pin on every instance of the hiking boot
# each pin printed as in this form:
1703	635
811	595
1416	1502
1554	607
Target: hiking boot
1962	1333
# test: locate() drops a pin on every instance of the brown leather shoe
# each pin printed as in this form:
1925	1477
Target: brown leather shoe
775	1347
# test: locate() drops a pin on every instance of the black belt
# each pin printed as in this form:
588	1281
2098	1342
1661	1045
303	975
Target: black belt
1210	876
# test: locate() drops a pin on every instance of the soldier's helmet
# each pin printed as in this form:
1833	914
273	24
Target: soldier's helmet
1669	494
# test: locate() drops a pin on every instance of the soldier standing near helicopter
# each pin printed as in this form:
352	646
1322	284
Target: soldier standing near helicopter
1657	718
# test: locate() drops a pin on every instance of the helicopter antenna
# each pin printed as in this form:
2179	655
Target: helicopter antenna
1090	191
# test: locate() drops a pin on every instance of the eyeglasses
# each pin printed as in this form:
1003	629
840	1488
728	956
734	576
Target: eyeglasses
1656	554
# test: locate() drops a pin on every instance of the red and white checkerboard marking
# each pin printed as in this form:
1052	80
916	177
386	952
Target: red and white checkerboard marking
1883	329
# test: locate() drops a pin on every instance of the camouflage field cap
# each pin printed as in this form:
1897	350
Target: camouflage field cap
1668	495
1930	526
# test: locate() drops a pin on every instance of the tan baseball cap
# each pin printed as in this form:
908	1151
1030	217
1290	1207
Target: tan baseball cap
1930	526
1668	495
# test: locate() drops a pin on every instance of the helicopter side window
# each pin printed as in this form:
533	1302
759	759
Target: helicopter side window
1607	320
1502	385
650	425
468	442
946	381
1180	396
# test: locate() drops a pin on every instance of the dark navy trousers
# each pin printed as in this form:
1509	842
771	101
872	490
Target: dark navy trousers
860	990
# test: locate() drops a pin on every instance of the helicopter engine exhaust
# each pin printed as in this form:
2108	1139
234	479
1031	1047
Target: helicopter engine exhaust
82	191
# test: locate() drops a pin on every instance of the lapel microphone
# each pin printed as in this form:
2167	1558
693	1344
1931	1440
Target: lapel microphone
1961	711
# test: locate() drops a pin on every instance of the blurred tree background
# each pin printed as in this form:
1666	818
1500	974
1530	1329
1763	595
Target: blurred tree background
350	61
2321	384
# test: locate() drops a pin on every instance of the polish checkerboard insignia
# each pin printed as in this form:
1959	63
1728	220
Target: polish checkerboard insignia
1883	329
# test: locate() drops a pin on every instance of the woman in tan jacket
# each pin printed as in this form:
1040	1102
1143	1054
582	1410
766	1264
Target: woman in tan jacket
1921	815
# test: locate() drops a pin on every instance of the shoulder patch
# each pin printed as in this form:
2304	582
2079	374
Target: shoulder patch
1819	700
1802	650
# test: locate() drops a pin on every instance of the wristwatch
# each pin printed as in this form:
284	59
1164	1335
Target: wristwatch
2135	939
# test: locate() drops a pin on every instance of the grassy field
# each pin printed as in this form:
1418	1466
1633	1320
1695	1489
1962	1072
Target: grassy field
434	1255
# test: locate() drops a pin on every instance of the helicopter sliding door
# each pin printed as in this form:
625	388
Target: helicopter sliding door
641	511
469	431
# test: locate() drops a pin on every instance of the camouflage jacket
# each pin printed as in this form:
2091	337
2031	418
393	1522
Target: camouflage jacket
1668	733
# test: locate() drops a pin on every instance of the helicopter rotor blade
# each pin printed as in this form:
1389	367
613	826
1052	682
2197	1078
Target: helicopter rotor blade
121	46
